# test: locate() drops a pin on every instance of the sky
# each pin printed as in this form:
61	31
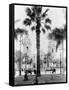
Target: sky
57	15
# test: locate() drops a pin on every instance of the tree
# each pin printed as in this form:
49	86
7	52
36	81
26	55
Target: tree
58	35
20	32
35	15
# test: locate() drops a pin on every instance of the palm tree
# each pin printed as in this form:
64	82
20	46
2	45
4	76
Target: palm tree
58	35
20	32
35	15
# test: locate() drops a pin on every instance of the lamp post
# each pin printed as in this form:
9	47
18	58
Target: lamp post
26	58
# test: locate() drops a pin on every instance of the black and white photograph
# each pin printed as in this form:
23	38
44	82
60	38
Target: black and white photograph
40	37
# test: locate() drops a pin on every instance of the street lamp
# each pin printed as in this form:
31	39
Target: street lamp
26	58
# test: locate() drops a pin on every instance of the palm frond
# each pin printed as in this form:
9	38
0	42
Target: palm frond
58	35
33	28
30	13
47	20
33	8
44	14
37	10
27	21
47	10
47	27
33	16
43	30
58	43
20	31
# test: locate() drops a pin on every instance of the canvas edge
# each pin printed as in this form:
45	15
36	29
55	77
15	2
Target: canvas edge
11	45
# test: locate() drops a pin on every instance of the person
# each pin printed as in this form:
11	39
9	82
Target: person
25	76
53	71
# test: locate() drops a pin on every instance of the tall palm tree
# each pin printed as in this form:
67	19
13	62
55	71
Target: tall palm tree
20	32
58	35
42	22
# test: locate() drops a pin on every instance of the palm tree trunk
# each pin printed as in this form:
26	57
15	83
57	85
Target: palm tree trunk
61	57
60	61
38	53
38	46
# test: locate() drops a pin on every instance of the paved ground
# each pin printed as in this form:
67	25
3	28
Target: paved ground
43	79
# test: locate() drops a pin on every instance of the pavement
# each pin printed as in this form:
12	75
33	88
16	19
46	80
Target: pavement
43	79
